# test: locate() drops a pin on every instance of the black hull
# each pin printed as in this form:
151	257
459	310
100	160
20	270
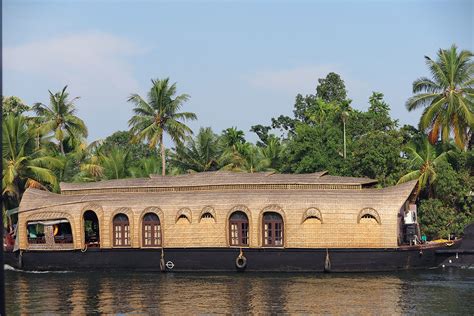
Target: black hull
224	259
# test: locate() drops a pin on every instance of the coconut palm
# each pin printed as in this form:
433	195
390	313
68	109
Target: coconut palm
423	162
248	158
273	152
199	154
59	118
447	97
231	137
146	166
160	114
23	165
105	164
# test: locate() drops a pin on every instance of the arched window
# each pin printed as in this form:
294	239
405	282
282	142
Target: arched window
91	229
62	232
183	216
239	229
272	229
151	230
183	219
368	216
312	215
207	215
121	230
35	232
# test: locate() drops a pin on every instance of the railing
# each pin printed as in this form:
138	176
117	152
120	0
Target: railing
66	239
37	240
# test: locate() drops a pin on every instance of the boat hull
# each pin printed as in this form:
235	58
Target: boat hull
224	259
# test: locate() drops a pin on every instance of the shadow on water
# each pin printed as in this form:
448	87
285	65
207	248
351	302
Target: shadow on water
416	292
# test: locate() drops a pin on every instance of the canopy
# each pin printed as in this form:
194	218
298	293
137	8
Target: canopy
47	223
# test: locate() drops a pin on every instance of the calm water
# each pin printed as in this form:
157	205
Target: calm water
422	292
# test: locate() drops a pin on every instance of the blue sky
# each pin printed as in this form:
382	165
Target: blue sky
242	62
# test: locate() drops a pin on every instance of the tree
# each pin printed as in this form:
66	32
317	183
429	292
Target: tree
23	165
59	117
145	167
331	88
272	152
422	163
231	137
447	97
262	133
376	155
115	163
13	105
199	154
158	115
247	158
112	163
136	150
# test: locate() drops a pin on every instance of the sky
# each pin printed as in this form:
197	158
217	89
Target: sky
242	62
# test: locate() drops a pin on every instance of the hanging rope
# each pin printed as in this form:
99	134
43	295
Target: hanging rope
162	261
327	262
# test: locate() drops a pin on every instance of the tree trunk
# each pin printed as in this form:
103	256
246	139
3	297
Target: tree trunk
61	147
163	161
344	123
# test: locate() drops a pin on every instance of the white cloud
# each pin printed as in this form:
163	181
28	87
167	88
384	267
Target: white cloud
95	65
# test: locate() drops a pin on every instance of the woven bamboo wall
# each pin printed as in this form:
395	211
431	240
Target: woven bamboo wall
339	212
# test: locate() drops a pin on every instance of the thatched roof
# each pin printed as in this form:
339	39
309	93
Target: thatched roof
220	178
38	199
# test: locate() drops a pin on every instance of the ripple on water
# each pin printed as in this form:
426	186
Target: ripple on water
118	292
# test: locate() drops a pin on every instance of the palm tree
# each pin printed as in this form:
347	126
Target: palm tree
247	158
59	117
146	166
160	114
105	164
115	163
23	165
447	97
273	152
199	154
423	162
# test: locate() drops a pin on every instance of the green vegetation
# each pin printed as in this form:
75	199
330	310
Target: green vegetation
159	115
325	133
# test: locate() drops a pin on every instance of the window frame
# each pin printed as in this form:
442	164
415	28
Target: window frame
240	230
124	229
273	236
152	238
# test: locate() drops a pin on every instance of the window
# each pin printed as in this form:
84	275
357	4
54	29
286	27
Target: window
62	233
272	229
121	230
368	216
151	230
207	215
91	229
35	233
183	219
239	229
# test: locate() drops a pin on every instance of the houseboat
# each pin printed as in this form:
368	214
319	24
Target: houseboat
224	221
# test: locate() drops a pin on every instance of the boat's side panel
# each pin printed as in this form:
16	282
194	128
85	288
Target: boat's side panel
220	259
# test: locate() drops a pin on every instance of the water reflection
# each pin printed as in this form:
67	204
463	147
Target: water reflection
110	293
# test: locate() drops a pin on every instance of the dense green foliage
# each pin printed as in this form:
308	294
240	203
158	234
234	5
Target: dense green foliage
325	132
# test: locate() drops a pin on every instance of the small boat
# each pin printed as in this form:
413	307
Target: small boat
224	221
